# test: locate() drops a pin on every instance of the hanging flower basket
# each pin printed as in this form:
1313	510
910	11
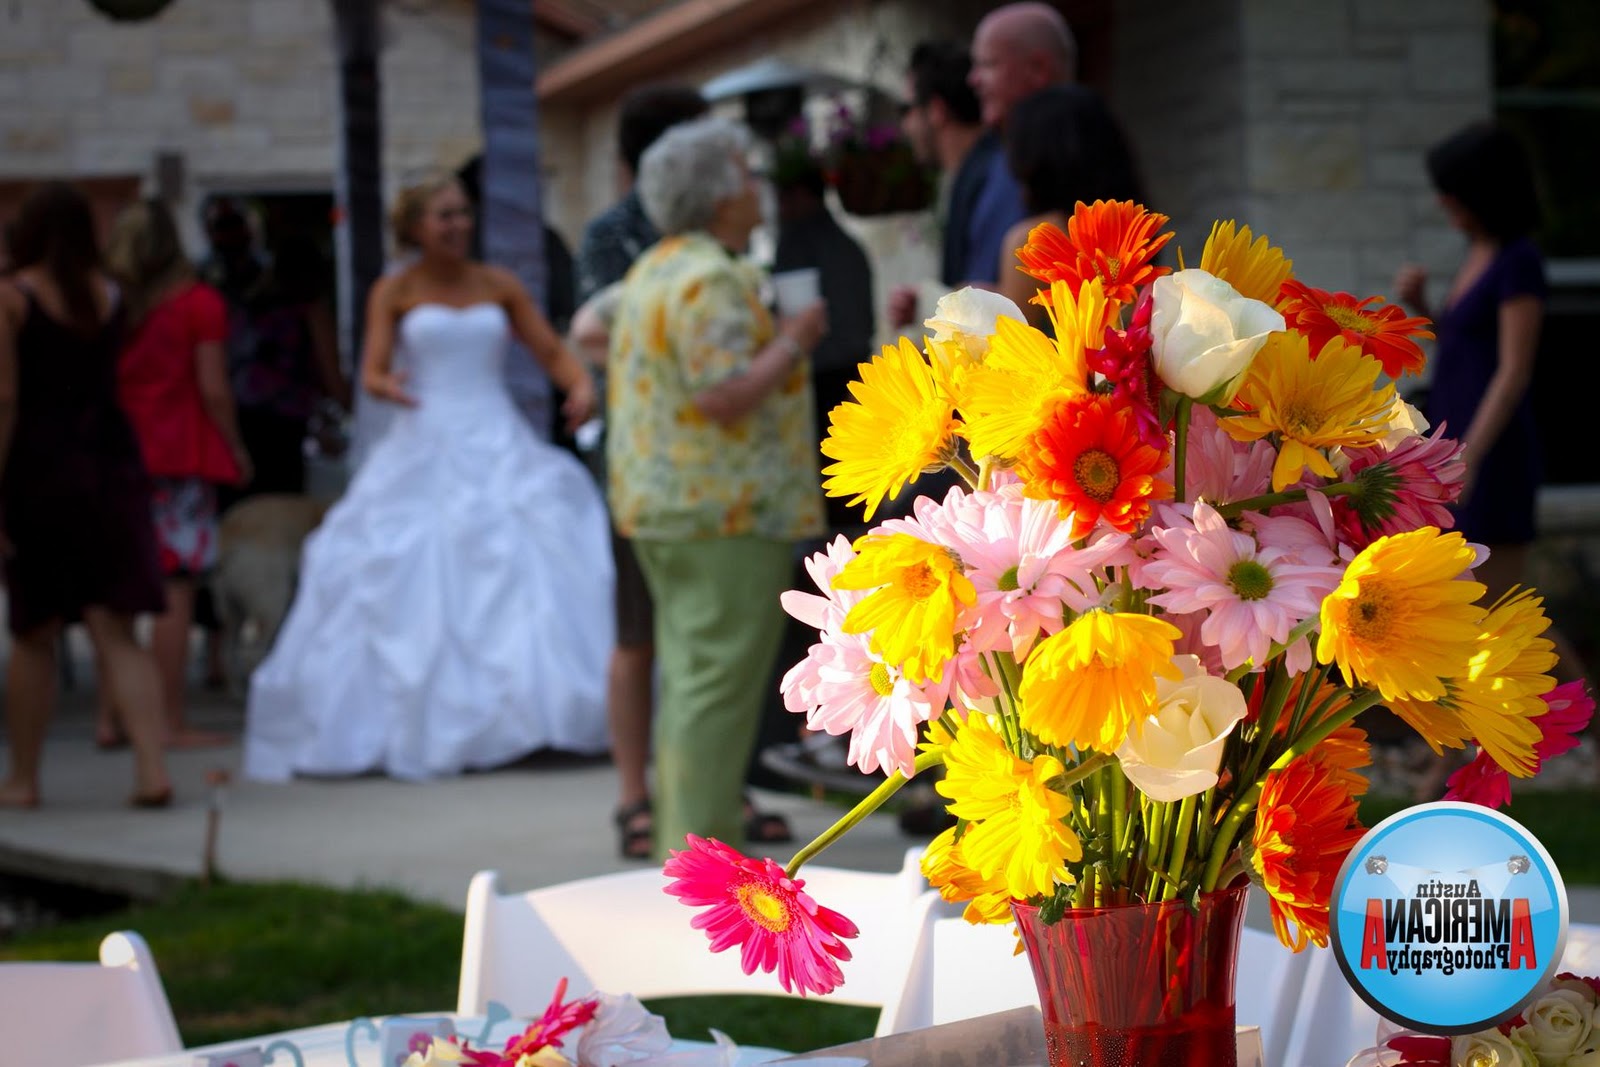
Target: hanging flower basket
130	10
881	180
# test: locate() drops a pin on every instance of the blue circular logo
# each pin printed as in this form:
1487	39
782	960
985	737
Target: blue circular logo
1446	917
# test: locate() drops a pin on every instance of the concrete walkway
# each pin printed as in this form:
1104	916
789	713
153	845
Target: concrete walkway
543	821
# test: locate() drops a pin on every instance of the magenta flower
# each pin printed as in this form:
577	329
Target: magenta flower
1485	782
1404	489
544	1032
1125	365
751	903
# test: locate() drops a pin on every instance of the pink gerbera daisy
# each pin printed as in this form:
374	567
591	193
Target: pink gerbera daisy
1400	489
1218	469
825	612
1253	594
1025	567
544	1032
1485	782
842	686
754	905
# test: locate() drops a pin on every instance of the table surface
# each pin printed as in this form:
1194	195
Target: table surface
326	1045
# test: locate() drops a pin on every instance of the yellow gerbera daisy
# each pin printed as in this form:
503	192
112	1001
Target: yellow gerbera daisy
1087	684
1256	270
946	869
899	425
1403	619
1312	404
911	616
1506	681
1004	399
1015	833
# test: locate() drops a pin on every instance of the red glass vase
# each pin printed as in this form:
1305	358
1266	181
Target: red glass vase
1138	985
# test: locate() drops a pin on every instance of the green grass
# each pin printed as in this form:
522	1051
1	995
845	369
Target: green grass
1567	823
244	960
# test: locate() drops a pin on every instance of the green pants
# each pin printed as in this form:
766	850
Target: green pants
718	624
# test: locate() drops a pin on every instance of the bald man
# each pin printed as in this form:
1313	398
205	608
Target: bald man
1017	50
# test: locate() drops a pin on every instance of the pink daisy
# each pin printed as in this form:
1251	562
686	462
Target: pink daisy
1253	595
1406	488
1218	469
1025	567
544	1032
1485	782
825	612
752	904
842	686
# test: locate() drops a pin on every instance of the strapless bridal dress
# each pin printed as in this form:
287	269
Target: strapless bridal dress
454	609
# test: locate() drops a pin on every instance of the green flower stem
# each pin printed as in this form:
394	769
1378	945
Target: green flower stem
868	804
1180	448
1271	709
1121	823
968	472
1303	705
1289	496
1246	803
1079	771
1180	847
1010	720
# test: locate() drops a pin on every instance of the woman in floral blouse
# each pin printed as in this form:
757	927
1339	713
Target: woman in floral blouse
712	467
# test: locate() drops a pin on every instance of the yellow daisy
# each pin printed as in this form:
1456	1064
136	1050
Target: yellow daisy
946	869
1004	399
1403	619
1256	270
1088	683
899	425
919	591
1015	832
1507	679
1312	404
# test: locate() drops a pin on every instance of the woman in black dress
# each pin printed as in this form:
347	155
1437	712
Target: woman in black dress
75	525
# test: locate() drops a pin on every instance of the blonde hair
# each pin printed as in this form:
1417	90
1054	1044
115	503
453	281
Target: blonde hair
411	203
145	255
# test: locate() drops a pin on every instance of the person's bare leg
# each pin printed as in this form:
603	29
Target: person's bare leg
107	729
628	705
31	682
135	685
169	641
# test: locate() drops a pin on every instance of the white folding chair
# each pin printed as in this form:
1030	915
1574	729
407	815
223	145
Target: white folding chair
621	933
73	1014
961	971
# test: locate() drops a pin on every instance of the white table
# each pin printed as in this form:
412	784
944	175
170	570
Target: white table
325	1046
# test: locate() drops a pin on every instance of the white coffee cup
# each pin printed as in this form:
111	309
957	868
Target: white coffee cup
797	290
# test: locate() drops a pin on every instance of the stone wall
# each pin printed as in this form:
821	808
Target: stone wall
1342	100
244	90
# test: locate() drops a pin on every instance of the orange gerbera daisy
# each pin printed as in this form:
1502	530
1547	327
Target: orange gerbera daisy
1382	331
1089	458
1114	240
1305	826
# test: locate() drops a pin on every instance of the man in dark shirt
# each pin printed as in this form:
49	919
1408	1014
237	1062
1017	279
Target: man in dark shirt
942	120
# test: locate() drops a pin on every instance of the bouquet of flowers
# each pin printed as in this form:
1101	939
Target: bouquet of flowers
1200	534
1557	1030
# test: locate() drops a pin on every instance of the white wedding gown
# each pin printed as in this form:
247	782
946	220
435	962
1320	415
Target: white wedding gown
455	607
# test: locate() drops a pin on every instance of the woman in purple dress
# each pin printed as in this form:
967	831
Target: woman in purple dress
1488	334
75	527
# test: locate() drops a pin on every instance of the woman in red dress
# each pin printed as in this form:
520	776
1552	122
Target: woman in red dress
173	383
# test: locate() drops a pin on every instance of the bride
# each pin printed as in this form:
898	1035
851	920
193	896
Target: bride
454	608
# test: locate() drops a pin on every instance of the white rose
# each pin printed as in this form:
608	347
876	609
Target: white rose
1176	752
1490	1048
1558	1024
1205	334
969	317
441	1052
1585	1057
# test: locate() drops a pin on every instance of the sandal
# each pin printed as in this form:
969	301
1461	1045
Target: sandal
635	831
765	827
